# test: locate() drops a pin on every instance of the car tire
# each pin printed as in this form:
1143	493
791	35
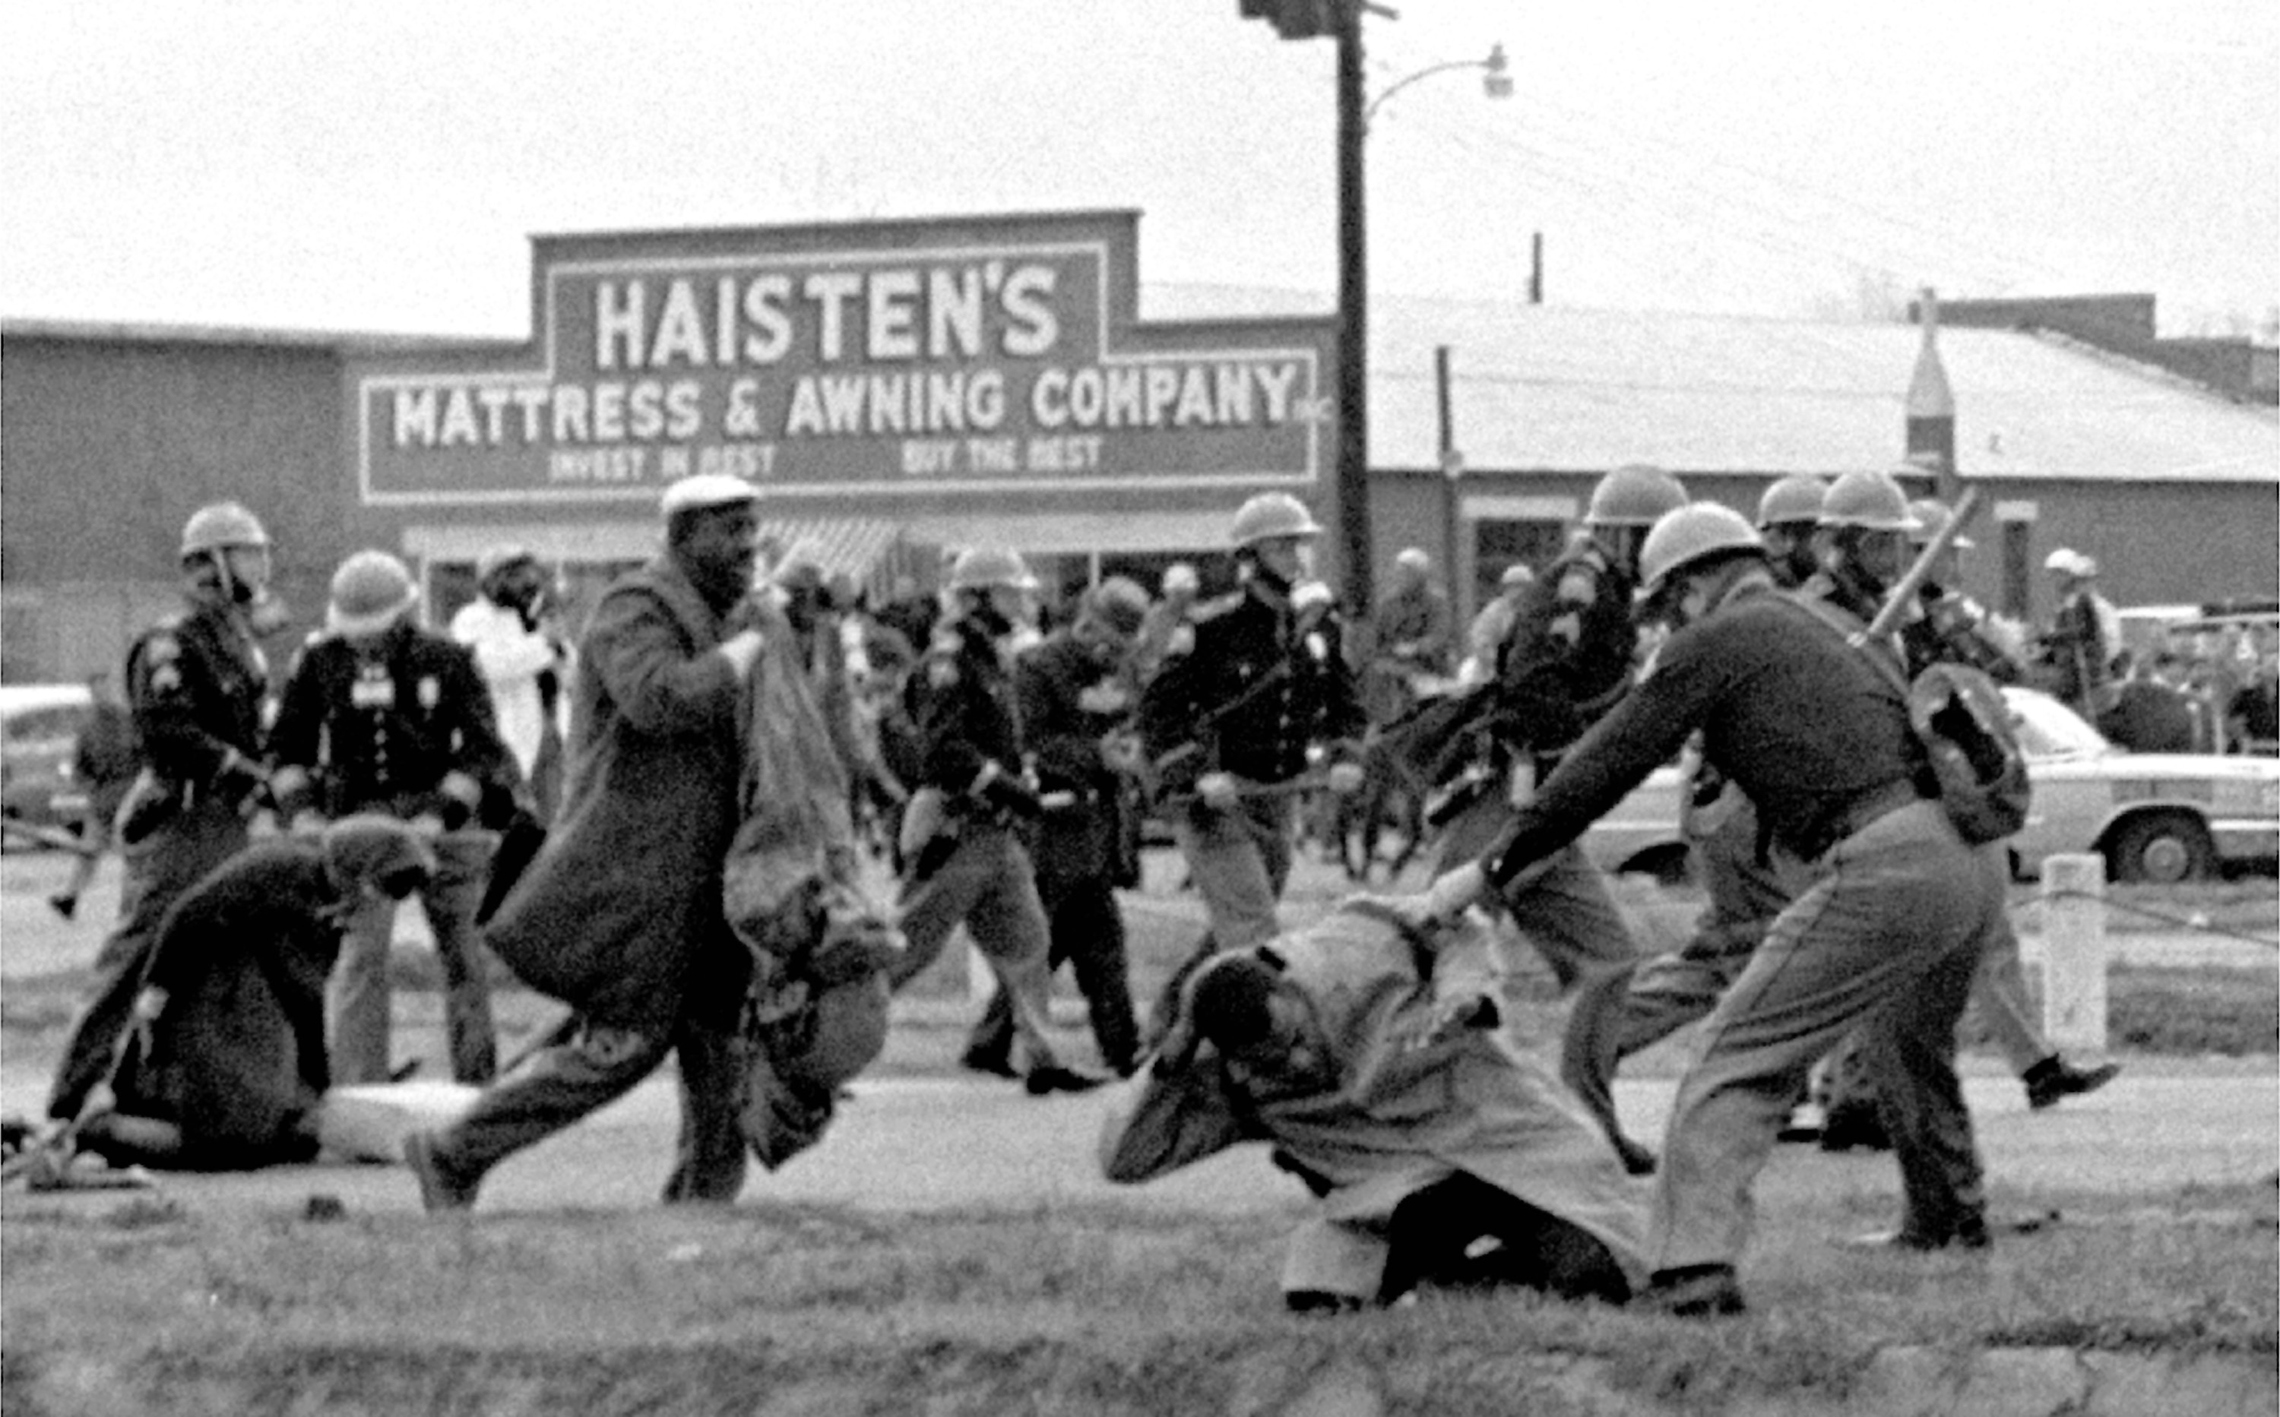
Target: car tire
2162	848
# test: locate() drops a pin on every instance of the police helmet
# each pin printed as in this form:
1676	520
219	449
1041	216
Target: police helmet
370	592
1687	535
1268	515
1931	519
1634	496
1871	500
1795	498
982	567
220	525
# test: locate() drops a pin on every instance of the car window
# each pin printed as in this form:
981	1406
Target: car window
33	725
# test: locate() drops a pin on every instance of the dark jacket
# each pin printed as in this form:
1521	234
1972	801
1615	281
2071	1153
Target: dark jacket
1569	655
1800	721
237	1058
1205	709
377	726
968	717
1069	702
620	915
195	683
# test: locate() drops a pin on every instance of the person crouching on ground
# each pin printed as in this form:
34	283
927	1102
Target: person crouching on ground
223	1061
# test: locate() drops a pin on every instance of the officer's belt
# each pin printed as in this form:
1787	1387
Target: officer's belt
1856	815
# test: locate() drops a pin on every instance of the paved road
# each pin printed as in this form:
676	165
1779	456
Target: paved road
921	1144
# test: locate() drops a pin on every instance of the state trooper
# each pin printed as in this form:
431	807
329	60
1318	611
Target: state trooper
195	682
1076	698
962	830
1569	659
381	715
1746	881
1789	521
1887	937
1253	684
1871	533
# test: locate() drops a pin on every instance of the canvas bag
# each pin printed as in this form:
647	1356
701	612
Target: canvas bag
1959	716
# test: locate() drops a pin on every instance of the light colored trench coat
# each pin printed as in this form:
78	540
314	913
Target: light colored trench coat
1421	1097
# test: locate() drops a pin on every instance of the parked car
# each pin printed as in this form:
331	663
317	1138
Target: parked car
39	732
2156	817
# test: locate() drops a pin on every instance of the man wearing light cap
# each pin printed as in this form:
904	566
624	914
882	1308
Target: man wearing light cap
621	915
2084	634
382	715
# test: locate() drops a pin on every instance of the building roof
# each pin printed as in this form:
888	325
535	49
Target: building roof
1548	387
345	342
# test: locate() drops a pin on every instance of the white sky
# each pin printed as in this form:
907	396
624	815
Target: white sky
379	166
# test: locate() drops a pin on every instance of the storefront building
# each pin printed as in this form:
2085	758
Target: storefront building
900	390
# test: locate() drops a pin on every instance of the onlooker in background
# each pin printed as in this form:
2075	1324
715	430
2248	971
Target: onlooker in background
381	715
2084	635
621	916
1490	628
524	662
195	683
2148	713
1414	630
104	761
2253	717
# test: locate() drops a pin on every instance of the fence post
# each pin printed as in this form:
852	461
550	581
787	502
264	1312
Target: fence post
2074	952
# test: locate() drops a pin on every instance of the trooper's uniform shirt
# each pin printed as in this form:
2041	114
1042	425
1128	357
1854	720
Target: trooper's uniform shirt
1230	646
378	727
1747	677
195	683
962	699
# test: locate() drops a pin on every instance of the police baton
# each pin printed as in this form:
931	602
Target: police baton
1897	602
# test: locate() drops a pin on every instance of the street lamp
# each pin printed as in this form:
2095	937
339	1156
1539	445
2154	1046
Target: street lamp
1354	112
1495	83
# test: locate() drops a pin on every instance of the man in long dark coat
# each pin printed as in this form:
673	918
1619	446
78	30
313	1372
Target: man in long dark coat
620	916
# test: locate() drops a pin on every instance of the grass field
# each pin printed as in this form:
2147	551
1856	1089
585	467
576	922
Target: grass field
139	1304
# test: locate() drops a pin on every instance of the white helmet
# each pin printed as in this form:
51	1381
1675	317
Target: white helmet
1271	514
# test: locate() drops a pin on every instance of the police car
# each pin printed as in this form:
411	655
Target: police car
2155	817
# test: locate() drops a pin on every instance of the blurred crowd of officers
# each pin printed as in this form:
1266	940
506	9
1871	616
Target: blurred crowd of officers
663	820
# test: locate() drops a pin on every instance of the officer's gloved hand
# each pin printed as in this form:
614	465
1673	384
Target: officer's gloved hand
1345	778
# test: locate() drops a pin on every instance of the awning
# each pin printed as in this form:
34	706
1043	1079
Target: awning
866	550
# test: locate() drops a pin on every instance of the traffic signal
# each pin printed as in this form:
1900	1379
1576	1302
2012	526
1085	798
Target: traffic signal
1295	19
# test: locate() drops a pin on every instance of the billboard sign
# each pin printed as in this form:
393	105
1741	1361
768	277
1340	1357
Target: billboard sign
861	362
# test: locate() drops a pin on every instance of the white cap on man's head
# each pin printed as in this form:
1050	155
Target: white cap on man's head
2068	561
704	490
1414	558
